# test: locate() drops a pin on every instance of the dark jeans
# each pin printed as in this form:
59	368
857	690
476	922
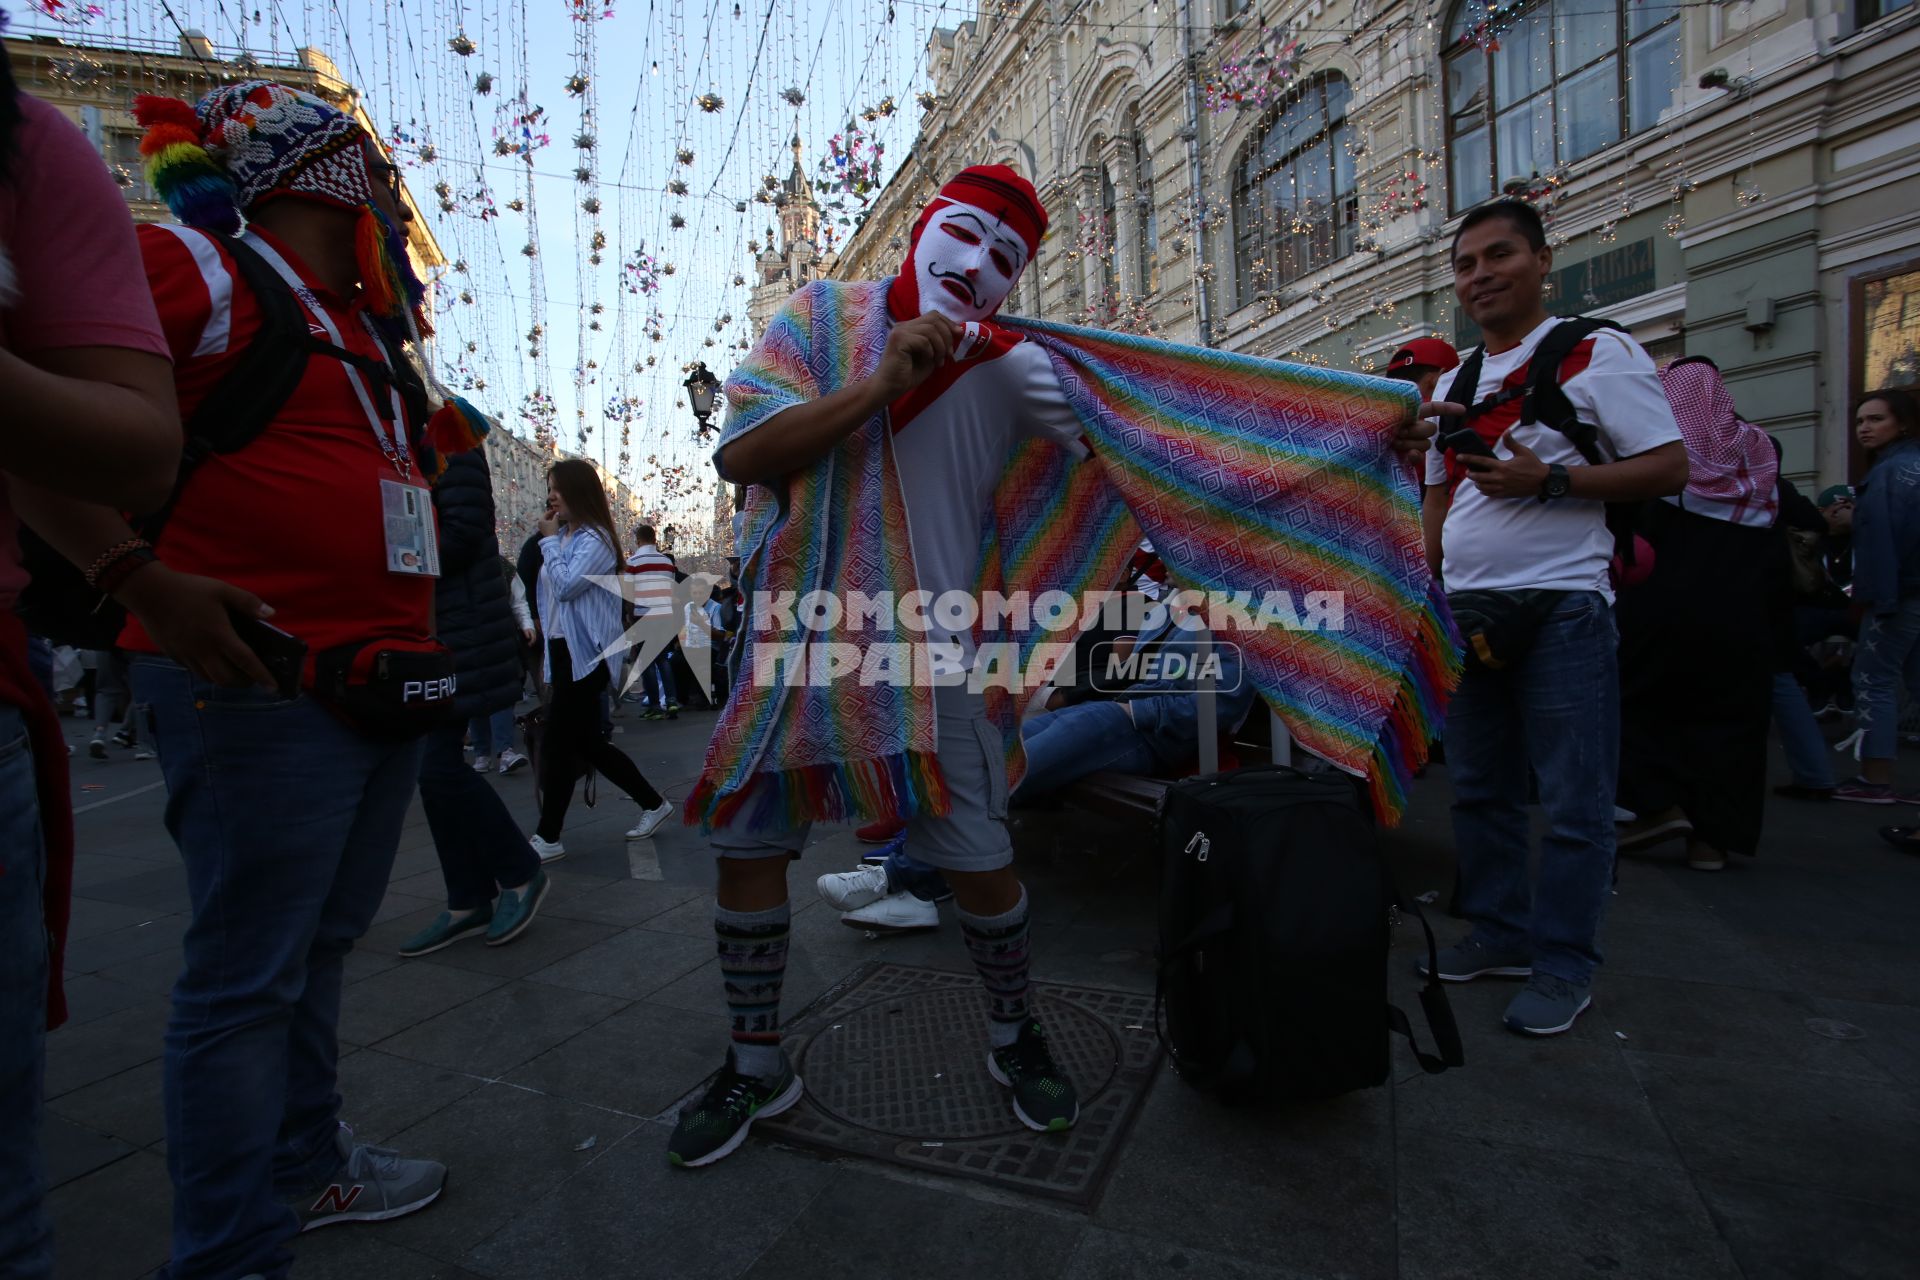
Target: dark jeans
26	1235
1557	710
574	742
287	821
480	846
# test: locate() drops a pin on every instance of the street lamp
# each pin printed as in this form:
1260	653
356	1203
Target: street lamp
701	386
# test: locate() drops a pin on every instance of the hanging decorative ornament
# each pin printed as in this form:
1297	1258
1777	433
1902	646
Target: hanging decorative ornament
710	102
427	153
1747	192
879	111
590	205
794	95
1676	223
583	174
851	165
517	205
462	44
683	156
1259	81
739	280
483	83
519	129
677	187
583	142
666	268
928	99
576	85
528	251
676	221
599	240
588	10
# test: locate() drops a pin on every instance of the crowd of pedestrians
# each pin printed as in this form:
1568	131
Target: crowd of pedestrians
1640	590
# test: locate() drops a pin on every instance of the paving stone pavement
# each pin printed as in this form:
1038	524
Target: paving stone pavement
1692	1124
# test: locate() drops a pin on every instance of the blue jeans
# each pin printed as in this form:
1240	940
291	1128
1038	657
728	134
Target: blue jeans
479	842
492	734
912	875
287	821
1800	737
1557	710
1066	745
26	1235
1887	655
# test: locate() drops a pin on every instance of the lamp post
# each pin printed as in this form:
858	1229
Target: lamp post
701	387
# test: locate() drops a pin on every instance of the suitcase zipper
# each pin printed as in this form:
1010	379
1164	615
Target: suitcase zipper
1201	843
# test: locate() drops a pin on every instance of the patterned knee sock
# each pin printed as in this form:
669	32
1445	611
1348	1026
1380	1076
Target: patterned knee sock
753	962
999	948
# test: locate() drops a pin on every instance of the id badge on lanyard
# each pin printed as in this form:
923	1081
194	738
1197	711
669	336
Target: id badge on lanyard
406	509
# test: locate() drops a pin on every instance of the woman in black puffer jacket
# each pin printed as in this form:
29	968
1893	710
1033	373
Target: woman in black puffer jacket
494	881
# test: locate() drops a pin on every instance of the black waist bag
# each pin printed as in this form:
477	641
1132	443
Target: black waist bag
389	689
1274	936
1497	628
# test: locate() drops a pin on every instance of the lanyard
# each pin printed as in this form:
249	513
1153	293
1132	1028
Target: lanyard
394	446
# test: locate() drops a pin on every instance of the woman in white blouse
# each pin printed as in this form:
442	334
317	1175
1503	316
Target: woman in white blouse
584	645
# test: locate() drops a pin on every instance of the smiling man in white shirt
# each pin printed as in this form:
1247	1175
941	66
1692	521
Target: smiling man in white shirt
1526	551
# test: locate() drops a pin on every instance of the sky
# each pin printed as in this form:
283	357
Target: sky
445	103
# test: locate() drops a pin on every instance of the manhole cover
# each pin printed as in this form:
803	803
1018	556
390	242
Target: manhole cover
895	1066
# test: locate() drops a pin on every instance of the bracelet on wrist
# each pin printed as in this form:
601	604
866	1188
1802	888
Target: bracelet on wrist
117	574
113	555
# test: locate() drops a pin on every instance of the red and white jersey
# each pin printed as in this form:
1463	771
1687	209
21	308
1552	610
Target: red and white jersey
295	516
653	579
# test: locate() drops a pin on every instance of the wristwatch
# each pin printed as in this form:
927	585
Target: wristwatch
1556	485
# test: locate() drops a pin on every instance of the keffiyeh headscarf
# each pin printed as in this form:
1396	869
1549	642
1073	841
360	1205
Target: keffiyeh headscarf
254	141
1733	469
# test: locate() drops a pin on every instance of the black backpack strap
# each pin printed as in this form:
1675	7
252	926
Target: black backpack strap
1546	402
239	407
1433	1003
1467	378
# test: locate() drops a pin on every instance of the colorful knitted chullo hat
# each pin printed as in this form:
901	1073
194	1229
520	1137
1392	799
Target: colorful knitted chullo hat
247	143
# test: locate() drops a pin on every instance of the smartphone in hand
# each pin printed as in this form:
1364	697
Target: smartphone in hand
283	655
1466	442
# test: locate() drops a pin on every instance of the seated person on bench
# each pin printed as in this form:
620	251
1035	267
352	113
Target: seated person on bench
1148	726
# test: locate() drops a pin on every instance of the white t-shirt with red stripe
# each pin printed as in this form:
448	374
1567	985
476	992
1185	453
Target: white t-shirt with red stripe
1513	544
653	579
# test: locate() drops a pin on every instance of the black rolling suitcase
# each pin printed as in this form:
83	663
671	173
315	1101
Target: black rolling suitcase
1274	935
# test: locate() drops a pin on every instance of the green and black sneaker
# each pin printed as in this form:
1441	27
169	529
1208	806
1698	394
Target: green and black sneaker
1043	1097
711	1128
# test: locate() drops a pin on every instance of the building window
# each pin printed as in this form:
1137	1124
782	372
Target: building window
1889	328
1109	221
1555	82
1865	11
1147	224
1294	207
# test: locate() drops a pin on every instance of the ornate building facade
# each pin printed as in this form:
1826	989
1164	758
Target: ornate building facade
1739	180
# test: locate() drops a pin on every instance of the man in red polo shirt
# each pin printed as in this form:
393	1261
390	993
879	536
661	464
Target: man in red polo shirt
286	813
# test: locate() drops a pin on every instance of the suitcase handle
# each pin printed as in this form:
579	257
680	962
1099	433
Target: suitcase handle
1433	1003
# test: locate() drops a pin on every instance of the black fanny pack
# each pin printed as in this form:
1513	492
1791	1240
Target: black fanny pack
1498	627
390	689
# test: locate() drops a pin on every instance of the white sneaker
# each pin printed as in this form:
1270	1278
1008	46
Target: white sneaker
482	763
549	850
511	760
143	753
650	821
851	890
896	913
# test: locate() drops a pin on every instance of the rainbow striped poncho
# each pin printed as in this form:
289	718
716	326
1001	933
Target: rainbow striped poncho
1249	475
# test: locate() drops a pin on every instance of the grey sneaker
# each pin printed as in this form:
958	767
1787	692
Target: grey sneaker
372	1184
1471	958
1547	1006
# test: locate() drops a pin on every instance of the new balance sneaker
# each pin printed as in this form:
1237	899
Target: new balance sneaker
851	890
514	912
880	832
896	913
372	1184
1547	1005
511	760
650	820
445	931
1043	1097
1471	958
482	764
715	1126
1860	791
549	850
1644	833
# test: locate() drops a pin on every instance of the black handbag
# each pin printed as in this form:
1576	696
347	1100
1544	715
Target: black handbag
1498	627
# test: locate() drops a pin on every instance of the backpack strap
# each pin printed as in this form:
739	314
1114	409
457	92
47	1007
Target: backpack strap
1433	1003
1546	401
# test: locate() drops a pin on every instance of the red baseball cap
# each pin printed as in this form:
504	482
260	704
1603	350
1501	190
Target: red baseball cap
1424	353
